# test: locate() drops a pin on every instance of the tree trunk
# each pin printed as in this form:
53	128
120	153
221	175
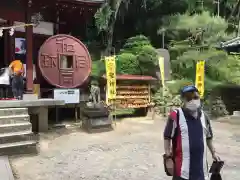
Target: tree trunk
114	4
235	9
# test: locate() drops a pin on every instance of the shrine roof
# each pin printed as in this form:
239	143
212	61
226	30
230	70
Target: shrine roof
231	43
84	1
90	0
134	77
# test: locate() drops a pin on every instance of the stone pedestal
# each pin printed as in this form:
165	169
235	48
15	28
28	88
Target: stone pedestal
42	117
236	113
96	118
30	97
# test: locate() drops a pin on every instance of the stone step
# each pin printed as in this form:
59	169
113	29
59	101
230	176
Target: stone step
14	119
13	111
17	127
17	137
24	147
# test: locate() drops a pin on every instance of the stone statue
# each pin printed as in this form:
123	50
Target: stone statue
95	94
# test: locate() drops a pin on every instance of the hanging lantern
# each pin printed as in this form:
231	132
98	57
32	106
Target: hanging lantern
36	18
1	32
11	32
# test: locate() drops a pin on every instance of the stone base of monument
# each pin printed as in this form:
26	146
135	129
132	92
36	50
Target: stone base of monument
96	119
30	97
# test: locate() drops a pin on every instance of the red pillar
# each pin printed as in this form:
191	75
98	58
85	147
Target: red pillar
11	44
6	59
56	28
29	49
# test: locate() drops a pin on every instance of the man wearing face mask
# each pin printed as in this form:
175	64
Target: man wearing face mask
187	135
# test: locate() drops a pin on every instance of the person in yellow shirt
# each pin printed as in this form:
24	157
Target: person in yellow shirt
16	69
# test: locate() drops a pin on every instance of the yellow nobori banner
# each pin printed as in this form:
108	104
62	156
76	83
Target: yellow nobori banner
161	66
110	63
199	82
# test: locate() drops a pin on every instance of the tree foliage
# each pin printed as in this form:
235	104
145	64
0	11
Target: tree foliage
102	17
137	56
197	37
98	68
192	30
127	64
218	107
165	101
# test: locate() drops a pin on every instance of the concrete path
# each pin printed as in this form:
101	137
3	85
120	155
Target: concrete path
133	152
5	169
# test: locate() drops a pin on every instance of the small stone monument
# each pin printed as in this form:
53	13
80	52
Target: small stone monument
94	97
95	114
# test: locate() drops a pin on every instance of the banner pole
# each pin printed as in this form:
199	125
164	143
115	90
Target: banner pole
110	63
162	73
199	81
115	111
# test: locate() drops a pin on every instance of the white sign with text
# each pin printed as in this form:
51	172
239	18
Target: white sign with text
70	96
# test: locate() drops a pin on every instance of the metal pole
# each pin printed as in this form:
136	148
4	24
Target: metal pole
200	4
115	111
238	32
163	38
56	111
218	8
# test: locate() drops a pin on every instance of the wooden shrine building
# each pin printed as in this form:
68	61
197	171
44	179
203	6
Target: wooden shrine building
58	17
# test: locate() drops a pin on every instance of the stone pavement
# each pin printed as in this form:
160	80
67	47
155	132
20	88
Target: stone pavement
133	152
5	169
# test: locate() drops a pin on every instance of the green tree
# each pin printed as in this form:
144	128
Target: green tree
98	68
105	20
118	20
127	64
196	39
138	56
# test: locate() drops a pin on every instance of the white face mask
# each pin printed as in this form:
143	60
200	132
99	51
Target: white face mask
193	105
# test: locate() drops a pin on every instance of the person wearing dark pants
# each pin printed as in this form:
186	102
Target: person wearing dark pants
17	86
17	71
187	135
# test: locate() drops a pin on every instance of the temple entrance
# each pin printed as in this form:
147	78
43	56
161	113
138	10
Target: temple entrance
2	52
20	49
5	90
